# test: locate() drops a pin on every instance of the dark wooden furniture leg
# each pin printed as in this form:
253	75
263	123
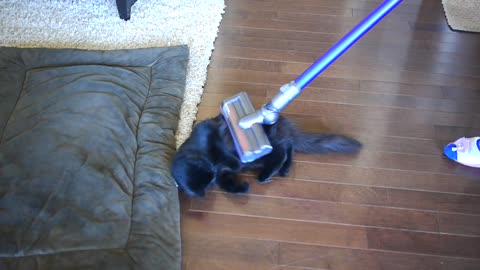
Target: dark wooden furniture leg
124	8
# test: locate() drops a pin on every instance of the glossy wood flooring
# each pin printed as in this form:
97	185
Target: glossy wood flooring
405	89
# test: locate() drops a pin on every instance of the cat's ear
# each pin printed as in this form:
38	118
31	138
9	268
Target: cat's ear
227	180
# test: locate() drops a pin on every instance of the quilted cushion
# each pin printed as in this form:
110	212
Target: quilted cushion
86	142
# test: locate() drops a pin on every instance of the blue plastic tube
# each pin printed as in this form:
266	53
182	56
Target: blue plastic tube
346	42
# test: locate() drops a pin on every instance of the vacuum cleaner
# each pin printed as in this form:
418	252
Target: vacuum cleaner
245	123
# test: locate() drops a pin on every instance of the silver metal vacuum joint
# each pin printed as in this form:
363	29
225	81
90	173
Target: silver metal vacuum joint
288	92
269	113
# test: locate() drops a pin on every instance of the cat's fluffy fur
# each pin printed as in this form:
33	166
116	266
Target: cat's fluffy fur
208	156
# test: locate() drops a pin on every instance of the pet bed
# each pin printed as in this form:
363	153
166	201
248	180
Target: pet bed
86	142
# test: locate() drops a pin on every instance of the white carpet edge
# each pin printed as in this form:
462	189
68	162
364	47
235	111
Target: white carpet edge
189	109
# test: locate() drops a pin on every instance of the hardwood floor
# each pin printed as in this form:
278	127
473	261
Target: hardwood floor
405	89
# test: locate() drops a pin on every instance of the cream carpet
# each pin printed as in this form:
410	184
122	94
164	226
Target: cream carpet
463	15
95	24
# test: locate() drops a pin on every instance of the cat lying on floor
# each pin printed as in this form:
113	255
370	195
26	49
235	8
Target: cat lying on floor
209	157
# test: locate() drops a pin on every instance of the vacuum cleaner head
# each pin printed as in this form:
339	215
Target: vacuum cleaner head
251	143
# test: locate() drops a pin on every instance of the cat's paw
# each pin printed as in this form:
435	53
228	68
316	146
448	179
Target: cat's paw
242	187
228	181
264	178
284	172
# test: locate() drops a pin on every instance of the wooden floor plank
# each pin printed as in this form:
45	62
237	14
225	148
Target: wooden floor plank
454	203
235	75
424	243
208	263
459	224
381	177
318	211
392	161
274	229
380	89
419	40
321	257
319	191
341	71
266	6
329	23
367	195
320	19
461	93
333	8
211	252
353	60
368	54
409	89
384	113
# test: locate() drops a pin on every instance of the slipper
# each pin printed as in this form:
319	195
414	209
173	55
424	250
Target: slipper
465	151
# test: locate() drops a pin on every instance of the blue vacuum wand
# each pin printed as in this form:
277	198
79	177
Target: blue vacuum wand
245	123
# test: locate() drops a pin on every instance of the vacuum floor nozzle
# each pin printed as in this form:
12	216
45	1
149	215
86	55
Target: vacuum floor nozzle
251	143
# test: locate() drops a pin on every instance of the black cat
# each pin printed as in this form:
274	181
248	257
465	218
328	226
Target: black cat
208	156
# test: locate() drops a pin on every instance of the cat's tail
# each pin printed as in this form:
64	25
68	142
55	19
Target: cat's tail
310	143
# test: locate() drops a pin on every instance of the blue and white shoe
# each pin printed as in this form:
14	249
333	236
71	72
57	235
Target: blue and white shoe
465	151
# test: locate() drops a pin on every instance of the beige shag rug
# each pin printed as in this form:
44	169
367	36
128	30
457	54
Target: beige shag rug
95	24
463	15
